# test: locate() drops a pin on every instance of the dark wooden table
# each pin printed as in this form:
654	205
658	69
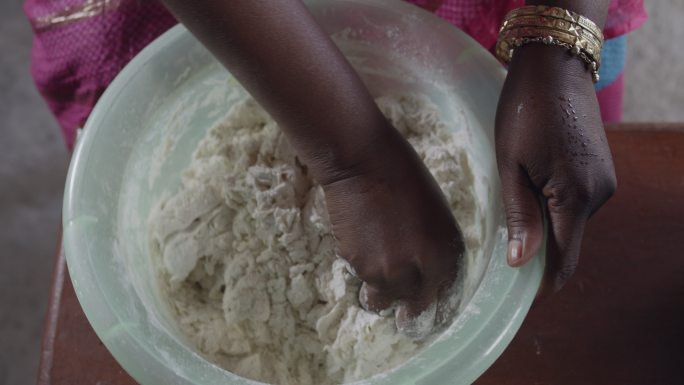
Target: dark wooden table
620	320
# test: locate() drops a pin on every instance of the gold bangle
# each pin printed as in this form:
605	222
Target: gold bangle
505	50
553	23
553	26
560	37
558	13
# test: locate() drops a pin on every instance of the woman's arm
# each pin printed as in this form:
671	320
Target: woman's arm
293	69
551	143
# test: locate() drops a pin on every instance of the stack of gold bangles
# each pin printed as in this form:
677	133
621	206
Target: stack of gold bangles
551	25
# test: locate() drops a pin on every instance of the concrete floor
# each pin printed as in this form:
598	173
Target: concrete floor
33	164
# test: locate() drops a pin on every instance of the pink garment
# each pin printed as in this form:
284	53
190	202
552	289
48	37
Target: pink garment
481	19
81	45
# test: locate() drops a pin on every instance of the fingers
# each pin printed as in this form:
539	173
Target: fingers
569	205
523	216
374	300
416	320
415	317
568	218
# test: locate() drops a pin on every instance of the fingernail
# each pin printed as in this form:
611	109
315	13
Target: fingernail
350	269
514	250
363	297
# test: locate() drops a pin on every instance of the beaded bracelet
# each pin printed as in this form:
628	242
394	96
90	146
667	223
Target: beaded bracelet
551	26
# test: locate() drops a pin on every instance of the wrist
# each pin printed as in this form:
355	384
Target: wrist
551	66
348	155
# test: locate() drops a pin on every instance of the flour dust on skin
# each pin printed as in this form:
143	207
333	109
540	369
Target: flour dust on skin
246	255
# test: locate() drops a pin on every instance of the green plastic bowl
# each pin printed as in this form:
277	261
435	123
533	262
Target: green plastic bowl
142	133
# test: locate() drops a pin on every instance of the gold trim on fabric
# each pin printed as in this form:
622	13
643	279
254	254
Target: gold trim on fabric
90	8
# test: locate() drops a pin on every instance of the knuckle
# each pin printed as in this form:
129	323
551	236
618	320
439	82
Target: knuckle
560	194
517	217
367	272
574	195
401	275
387	275
372	275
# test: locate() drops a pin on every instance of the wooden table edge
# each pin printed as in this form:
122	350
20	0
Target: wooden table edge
645	127
51	324
51	319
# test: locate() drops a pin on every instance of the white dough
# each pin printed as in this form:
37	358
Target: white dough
246	254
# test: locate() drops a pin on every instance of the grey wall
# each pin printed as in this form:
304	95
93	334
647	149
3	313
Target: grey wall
655	66
33	163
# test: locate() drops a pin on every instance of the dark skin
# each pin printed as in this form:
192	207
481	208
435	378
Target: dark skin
551	143
389	217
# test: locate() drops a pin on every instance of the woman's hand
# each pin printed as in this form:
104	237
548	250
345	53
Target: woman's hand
550	143
393	225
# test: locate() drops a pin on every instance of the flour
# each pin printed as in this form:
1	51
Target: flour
246	255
